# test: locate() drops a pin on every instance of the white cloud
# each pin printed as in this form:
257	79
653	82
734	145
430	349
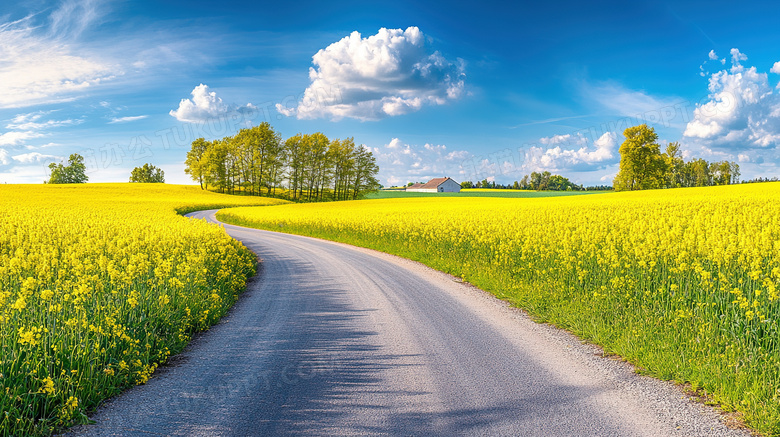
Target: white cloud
563	139
571	152
737	57
391	73
4	157
45	67
74	16
205	105
36	158
27	126
713	56
30	121
15	138
743	111
400	163
775	68
115	120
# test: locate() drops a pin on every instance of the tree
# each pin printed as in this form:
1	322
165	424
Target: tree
195	165
341	155
365	172
73	173
641	165
674	166
699	172
734	172
147	174
525	184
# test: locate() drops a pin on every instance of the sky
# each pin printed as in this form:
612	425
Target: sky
472	91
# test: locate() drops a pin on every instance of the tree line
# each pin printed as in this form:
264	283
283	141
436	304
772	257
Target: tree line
643	166
310	167
544	181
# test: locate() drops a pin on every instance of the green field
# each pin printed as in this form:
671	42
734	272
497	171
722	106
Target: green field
478	192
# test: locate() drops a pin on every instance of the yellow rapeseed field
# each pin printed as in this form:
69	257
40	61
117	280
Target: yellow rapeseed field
99	283
684	283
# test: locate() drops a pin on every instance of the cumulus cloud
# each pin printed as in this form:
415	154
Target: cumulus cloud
400	163
743	110
43	67
391	73
713	56
571	152
205	105
737	57
775	68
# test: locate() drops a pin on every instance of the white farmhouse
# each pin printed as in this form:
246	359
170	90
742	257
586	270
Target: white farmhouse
436	185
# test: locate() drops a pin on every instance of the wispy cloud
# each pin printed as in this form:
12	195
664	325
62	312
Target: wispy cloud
40	67
14	138
27	126
626	102
549	120
36	158
30	121
72	17
127	119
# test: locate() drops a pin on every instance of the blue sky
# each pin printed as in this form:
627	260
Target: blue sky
467	90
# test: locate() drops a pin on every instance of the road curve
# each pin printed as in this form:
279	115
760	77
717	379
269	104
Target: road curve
330	339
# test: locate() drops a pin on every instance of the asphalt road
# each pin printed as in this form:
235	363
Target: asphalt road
335	340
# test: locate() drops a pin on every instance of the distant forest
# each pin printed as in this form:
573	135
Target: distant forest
544	181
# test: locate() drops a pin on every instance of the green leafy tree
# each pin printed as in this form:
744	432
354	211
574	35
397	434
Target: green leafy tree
342	155
195	165
365	173
674	166
147	174
642	166
700	175
525	183
295	160
73	173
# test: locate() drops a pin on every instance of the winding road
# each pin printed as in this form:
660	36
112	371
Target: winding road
330	339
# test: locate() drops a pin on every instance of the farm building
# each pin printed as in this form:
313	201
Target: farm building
436	185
